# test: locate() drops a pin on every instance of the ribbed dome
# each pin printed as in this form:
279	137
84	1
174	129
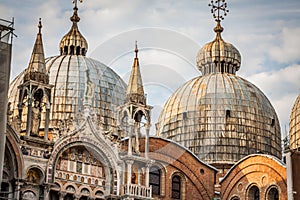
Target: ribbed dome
218	56
295	125
77	81
221	118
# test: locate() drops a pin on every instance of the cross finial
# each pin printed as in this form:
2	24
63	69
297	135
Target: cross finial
218	9
75	3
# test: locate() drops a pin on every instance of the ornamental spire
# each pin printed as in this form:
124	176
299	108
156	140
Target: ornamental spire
73	43
135	89
36	70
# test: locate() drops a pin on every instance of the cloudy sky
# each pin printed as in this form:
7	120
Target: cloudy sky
169	34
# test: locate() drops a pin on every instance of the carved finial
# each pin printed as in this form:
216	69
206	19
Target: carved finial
40	25
218	9
136	50
75	17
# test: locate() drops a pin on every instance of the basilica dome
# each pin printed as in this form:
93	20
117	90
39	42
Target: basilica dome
295	125
77	82
219	116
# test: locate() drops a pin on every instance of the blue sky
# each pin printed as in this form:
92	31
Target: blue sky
170	33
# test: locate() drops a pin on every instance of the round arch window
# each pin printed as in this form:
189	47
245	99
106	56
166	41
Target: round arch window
273	194
253	193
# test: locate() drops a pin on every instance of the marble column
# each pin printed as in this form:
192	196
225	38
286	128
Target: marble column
62	195
28	122
147	141
131	124
47	120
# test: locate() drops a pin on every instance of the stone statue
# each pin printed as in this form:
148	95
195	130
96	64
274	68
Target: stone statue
16	124
9	112
30	177
35	119
135	141
89	88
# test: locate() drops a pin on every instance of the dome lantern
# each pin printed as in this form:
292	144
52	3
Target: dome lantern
218	56
73	43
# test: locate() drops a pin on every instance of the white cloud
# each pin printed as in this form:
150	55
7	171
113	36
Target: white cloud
287	50
281	87
264	33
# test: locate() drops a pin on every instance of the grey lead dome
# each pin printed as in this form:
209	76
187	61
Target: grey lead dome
219	116
78	80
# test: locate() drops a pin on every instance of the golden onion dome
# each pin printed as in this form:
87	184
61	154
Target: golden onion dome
218	55
295	125
73	43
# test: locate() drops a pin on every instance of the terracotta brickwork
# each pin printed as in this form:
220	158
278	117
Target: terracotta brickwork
197	177
261	171
295	174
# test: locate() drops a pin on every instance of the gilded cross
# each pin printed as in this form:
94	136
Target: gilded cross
218	9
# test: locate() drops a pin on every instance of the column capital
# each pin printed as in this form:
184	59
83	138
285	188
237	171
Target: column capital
62	194
129	162
76	196
149	164
148	125
131	122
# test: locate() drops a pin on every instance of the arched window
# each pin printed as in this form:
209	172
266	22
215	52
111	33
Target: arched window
154	180
273	194
4	190
72	48
78	50
176	186
83	51
65	50
253	193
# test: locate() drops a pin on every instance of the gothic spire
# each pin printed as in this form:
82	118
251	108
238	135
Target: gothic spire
36	70
135	89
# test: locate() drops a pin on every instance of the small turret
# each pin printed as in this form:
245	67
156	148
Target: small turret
135	89
36	70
